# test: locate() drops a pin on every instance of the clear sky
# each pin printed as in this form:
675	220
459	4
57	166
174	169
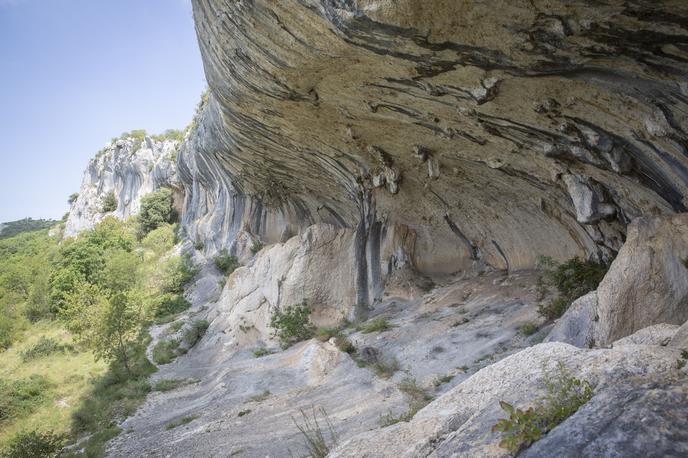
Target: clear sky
75	73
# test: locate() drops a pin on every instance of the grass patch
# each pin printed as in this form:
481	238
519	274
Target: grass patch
376	325
441	380
345	345
21	397
565	395
112	398
182	421
528	329
195	332
260	352
33	444
172	384
386	368
165	351
325	334
174	327
418	398
44	347
318	439
261	397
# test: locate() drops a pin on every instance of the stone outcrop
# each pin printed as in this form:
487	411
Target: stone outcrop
647	284
129	168
494	133
630	382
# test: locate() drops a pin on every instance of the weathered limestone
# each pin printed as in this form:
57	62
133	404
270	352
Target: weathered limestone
494	132
647	284
459	423
128	168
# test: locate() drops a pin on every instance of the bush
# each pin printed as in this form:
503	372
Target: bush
169	305
572	279
165	351
195	332
33	444
377	325
199	245
260	352
256	247
44	347
292	325
175	274
325	334
109	203
565	395
20	397
528	329
156	210
181	421
172	384
226	263
72	198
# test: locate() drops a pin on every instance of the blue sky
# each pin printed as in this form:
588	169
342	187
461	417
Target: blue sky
75	73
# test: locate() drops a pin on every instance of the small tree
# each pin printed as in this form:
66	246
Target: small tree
292	324
109	203
156	210
110	326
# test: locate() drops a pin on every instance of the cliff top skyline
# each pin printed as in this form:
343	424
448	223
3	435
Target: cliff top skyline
77	73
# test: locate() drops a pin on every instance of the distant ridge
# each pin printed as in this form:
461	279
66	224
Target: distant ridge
12	228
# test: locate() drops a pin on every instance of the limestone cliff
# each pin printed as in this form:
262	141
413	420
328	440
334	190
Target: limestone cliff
445	135
127	168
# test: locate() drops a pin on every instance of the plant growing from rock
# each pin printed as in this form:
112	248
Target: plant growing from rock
156	210
181	421
33	444
318	439
377	325
109	203
565	395
572	279
292	324
195	332
226	263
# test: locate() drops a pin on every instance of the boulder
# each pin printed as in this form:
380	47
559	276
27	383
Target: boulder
459	423
647	284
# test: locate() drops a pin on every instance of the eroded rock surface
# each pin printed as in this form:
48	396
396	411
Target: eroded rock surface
647	284
128	168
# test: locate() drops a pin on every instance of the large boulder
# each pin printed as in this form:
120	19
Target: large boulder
459	423
647	284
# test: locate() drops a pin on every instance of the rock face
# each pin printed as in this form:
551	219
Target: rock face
459	423
647	284
494	134
128	168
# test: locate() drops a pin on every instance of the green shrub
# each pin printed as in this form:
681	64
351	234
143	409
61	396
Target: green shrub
199	245
195	332
260	352
226	263
345	345
170	134
181	421
572	279
292	324
108	203
325	334
20	397
165	351
176	273
169	305
377	325
256	247
44	347
528	329
156	209
172	384
565	395
174	327
386	368
33	444
316	440
72	198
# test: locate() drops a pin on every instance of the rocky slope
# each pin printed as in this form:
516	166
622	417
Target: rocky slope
127	168
411	160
